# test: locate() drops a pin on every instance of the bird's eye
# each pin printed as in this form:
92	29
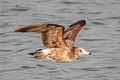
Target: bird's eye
80	50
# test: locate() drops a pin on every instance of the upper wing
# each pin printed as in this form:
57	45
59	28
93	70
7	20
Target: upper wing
73	30
52	34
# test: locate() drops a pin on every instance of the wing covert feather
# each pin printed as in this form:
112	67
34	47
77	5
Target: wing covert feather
52	34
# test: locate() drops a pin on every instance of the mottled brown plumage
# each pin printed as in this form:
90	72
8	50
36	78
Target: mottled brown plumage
59	42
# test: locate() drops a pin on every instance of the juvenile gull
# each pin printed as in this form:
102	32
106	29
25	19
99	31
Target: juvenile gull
59	43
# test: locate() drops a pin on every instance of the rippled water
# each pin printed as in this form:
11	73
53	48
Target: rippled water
101	36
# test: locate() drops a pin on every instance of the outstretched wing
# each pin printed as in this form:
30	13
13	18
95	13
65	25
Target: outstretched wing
73	30
71	33
52	34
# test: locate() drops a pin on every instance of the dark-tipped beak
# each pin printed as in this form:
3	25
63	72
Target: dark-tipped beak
90	53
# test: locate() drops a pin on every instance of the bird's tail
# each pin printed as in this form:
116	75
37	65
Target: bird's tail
38	54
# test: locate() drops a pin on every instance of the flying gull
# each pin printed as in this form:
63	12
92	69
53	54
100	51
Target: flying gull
59	42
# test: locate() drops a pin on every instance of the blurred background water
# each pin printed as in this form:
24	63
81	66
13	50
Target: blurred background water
101	36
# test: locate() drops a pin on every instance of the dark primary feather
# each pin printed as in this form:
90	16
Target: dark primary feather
81	22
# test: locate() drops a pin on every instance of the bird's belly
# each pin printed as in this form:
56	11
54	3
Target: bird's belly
58	56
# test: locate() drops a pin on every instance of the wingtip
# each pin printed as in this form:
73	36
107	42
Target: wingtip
81	22
19	30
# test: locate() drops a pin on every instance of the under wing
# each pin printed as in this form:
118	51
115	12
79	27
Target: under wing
71	33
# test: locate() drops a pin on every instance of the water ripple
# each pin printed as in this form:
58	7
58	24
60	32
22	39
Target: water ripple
68	2
17	69
5	50
18	8
20	50
109	67
94	39
90	69
98	23
5	2
116	18
39	65
26	67
42	1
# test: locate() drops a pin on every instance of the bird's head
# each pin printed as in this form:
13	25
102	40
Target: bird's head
83	51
